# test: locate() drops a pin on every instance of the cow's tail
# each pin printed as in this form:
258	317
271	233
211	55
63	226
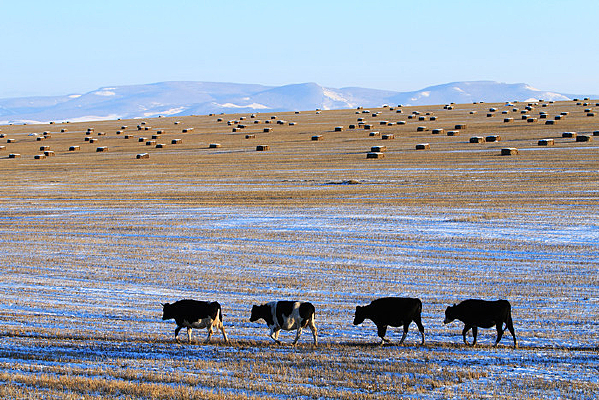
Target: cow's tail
508	319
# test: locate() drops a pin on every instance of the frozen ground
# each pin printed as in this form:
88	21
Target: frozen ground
81	292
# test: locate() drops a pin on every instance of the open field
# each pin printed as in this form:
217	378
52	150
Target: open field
92	243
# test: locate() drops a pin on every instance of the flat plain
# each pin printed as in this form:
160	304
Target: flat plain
93	242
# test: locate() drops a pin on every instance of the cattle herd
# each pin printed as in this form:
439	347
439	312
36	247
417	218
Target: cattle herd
384	312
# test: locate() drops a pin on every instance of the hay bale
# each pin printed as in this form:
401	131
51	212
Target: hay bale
160	145
317	137
421	129
119	132
386	122
550	122
595	133
460	126
473	112
39	156
39	138
437	131
155	136
546	142
214	145
453	133
493	138
90	130
14	155
42	148
388	136
176	141
160	131
374	134
262	147
509	151
186	130
477	139
564	113
257	121
49	153
74	148
150	142
63	130
101	149
489	115
352	126
142	155
124	127
568	134
422	118
338	128
423	146
266	130
2	148
590	114
374	154
92	140
378	149
401	122
177	122
584	138
433	118
508	119
142	139
531	120
250	136
558	117
128	136
367	126
492	109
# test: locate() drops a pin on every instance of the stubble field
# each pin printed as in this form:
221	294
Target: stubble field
92	243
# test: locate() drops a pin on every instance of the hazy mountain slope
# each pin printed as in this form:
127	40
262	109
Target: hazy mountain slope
187	98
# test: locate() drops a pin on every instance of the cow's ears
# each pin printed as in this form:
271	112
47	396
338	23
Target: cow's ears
454	304
163	304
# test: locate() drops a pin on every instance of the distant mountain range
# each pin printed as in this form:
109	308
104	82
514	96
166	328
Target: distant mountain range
189	98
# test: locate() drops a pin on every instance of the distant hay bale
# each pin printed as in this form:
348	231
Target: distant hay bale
128	137
401	122
292	123
410	116
530	120
257	121
509	151
525	117
378	149
352	126
214	145
119	132
92	140
160	131
558	117
546	142
155	136
242	118
160	145
388	136
367	126
176	141
584	138
187	130
473	112
142	155
90	129
39	138
74	148
250	136
317	137
338	128
477	139
508	119
453	133
273	117
421	129
42	148
460	126
505	112
2	148
569	134
281	122
101	149
433	118
595	133
123	127
177	122
376	133
150	142
390	123
590	114
421	118
142	139
437	131
14	155
489	115
550	122
492	109
493	138
383	122
262	147
63	130
360	119
39	156
398	111
101	133
375	154
587	110
564	113
49	153
236	129
423	146
266	130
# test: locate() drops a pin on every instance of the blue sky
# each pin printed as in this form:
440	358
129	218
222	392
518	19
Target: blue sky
61	47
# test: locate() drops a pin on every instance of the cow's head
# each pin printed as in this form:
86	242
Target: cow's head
449	314
360	315
167	312
258	312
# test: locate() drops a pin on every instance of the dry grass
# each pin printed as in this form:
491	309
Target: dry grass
92	243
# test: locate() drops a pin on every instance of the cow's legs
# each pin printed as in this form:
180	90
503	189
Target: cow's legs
406	326
420	328
274	335
510	326
312	326
222	329
210	331
189	334
382	330
177	329
297	335
499	327
474	333
464	332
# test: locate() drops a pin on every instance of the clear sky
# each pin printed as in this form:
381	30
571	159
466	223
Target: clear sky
61	47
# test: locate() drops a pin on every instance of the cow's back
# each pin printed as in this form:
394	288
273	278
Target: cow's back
484	313
394	311
191	311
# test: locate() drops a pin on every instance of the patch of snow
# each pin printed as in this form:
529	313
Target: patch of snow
425	94
333	95
457	89
74	96
95	118
253	105
166	112
104	93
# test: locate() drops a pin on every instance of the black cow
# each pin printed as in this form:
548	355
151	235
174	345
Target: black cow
286	315
392	311
475	313
195	314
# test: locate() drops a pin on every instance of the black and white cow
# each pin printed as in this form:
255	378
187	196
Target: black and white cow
392	311
195	314
286	315
475	313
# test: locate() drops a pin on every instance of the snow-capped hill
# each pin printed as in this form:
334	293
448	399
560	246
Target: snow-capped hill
188	98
